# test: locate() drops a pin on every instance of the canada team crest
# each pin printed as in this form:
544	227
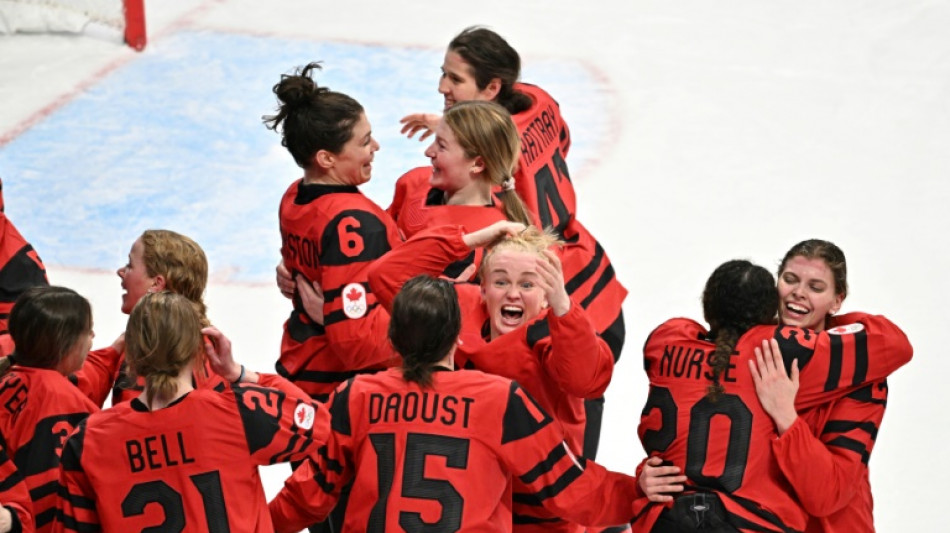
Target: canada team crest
354	300
303	416
848	329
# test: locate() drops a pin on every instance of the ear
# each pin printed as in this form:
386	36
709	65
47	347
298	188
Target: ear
158	284
478	165
492	89
839	299
324	159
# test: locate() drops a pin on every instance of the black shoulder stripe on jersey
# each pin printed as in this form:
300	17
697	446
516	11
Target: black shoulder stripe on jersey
44	518
340	410
38	454
834	365
260	427
792	348
320	478
526	519
319	376
19	274
71	456
76	500
585	273
340	316
46	489
518	421
11	480
551	490
866	394
332	464
71	524
844	426
353	236
860	357
301	330
540	329
544	466
846	443
605	277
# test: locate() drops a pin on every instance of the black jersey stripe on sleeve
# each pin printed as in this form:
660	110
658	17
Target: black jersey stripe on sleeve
834	363
587	272
552	490
340	410
523	416
844	426
544	466
847	443
860	357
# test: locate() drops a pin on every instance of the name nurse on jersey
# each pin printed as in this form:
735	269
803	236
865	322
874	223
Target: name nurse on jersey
411	406
685	362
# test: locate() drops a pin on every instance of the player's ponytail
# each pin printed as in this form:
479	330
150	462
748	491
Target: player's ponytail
424	326
738	296
312	118
485	131
162	340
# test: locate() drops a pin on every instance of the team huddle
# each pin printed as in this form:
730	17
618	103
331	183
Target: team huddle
445	359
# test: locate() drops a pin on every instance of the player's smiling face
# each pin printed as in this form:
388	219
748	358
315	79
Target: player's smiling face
807	294
457	83
450	164
511	292
354	164
135	279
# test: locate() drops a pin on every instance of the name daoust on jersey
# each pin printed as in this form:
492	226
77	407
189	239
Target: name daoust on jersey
411	406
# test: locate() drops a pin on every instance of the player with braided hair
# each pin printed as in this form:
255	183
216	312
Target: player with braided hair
702	414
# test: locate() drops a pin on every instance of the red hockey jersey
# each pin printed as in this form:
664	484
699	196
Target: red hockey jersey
836	439
15	496
331	234
20	269
191	466
443	458
559	360
725	446
39	410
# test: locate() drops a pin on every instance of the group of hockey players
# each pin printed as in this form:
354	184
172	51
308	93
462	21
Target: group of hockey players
444	364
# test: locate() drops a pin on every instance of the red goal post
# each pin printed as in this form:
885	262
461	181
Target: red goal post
37	16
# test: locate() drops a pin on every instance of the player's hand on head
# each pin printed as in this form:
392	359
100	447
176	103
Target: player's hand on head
416	122
551	280
490	234
218	351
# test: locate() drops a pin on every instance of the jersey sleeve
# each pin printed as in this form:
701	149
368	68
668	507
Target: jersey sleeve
280	427
349	244
76	506
313	489
427	252
577	358
98	374
14	495
572	487
833	363
838	456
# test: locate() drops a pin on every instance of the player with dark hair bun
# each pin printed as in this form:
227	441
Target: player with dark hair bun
330	232
429	448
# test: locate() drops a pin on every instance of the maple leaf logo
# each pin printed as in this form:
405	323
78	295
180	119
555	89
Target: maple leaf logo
301	416
354	294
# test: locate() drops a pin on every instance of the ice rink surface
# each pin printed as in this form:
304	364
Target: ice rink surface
703	131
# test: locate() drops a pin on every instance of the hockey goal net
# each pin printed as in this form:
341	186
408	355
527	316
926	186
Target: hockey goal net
37	16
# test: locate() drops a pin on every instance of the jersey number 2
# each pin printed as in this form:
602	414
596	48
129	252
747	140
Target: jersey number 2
419	446
208	484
